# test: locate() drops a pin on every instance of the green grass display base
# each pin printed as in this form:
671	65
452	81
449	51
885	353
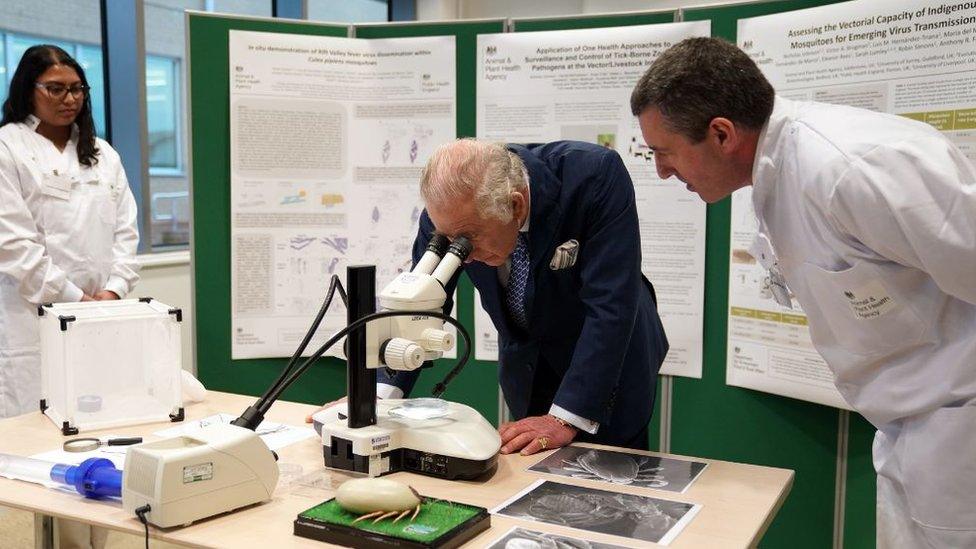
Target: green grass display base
440	523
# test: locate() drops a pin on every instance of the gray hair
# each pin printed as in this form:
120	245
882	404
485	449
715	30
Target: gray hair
469	169
699	79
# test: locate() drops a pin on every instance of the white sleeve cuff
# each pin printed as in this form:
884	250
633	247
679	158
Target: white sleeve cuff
70	293
581	423
118	285
388	391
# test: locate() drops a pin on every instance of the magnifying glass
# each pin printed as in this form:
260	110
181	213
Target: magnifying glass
89	444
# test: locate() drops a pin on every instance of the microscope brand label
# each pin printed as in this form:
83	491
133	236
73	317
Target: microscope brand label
196	473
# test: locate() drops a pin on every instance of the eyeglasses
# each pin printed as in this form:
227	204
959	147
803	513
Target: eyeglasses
57	91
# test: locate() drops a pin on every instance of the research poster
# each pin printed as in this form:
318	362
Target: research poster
328	138
910	58
546	86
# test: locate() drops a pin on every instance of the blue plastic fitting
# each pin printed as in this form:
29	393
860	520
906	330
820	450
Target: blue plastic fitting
95	478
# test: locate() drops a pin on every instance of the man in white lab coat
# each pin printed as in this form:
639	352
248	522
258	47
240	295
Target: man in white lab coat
870	220
67	216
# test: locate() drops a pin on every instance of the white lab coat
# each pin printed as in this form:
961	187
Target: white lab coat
871	218
65	230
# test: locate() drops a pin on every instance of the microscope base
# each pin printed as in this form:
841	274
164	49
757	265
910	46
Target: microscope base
460	445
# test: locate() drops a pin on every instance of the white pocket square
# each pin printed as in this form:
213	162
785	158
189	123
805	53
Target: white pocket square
565	255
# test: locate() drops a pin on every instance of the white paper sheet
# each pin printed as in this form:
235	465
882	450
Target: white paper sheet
274	435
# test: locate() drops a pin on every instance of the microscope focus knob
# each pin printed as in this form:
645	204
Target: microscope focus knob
403	354
436	340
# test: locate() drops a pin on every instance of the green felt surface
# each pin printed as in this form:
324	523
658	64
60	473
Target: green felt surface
436	518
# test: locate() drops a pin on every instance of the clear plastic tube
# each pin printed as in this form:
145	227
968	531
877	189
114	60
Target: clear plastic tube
25	468
93	478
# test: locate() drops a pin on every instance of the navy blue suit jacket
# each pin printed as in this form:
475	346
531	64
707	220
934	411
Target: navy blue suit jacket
595	324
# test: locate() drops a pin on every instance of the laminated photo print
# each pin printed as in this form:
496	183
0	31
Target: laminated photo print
614	467
630	516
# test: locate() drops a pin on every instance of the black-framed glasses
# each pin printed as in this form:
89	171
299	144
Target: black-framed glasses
58	91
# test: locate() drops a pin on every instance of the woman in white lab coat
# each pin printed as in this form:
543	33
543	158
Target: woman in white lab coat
67	217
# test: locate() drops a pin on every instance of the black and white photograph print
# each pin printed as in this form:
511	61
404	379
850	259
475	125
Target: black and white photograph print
631	516
520	538
674	475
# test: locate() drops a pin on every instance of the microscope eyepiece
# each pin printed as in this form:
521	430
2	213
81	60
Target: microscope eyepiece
461	247
436	249
453	259
438	244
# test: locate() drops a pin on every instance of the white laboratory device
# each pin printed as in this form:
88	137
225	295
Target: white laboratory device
193	476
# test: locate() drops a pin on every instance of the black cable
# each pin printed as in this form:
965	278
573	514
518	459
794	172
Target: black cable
442	386
362	322
334	284
376	316
254	414
141	513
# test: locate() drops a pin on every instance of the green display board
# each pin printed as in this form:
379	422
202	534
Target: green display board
209	90
594	21
477	386
712	419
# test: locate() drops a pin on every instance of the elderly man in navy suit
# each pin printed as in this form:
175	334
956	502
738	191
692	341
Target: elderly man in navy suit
557	261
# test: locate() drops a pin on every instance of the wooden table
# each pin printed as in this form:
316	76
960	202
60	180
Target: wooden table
738	501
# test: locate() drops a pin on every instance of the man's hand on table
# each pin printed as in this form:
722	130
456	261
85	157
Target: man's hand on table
535	434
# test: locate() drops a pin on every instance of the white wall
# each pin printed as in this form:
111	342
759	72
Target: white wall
428	10
166	278
77	21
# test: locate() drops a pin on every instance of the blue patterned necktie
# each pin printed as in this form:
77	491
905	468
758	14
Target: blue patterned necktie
518	275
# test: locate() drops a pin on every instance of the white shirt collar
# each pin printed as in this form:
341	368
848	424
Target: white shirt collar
528	189
32	122
767	151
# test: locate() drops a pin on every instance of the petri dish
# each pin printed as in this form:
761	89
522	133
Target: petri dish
421	408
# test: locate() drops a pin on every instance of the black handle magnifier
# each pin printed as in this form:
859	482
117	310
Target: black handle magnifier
89	444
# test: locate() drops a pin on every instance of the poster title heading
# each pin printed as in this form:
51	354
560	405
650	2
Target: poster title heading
583	57
881	26
333	56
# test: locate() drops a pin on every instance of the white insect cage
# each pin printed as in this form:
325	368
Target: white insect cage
110	363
